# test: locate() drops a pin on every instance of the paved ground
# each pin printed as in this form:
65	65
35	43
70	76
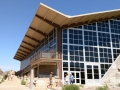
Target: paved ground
15	84
12	85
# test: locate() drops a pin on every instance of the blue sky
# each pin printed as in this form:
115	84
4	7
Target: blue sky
16	16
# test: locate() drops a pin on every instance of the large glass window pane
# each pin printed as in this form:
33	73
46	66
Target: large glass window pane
64	40
115	26
89	76
65	57
64	35
65	52
65	64
71	52
104	39
71	47
91	54
90	27
103	26
90	38
76	58
72	58
82	75
81	65
77	75
65	47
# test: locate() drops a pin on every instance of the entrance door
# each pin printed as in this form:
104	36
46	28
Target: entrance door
92	74
77	76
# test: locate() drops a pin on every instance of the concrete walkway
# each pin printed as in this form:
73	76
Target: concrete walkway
15	84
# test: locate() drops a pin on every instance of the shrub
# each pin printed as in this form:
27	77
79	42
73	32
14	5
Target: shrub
5	77
23	82
103	88
71	87
81	85
2	80
118	84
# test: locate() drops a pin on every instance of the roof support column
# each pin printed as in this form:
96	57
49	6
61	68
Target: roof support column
59	42
59	50
38	71
57	72
31	78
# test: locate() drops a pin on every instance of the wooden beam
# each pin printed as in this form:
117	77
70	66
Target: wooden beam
33	39
17	58
71	25
87	22
28	44
38	31
19	55
47	21
25	47
47	63
92	21
23	51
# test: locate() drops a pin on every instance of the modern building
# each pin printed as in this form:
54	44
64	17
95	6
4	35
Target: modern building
85	45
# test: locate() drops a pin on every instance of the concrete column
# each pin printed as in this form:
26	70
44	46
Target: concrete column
31	78
58	69
38	71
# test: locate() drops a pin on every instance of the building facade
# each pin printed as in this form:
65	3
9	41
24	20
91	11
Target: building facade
89	50
84	45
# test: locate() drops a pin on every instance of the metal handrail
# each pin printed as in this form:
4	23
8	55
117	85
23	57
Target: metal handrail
45	55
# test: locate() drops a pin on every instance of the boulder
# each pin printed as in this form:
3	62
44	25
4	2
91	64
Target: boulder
1	72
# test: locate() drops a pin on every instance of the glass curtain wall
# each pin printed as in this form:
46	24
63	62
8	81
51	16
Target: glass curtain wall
92	43
47	45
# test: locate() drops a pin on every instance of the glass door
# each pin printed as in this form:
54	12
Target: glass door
76	77
76	74
92	74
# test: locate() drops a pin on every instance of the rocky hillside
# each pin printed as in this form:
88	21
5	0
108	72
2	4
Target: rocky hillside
1	72
112	76
114	81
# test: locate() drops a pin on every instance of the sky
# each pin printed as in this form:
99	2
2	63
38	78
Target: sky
16	16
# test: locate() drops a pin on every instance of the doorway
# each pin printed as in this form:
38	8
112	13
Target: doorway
92	74
77	76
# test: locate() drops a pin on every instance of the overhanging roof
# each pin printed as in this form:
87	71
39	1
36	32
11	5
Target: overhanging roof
46	19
